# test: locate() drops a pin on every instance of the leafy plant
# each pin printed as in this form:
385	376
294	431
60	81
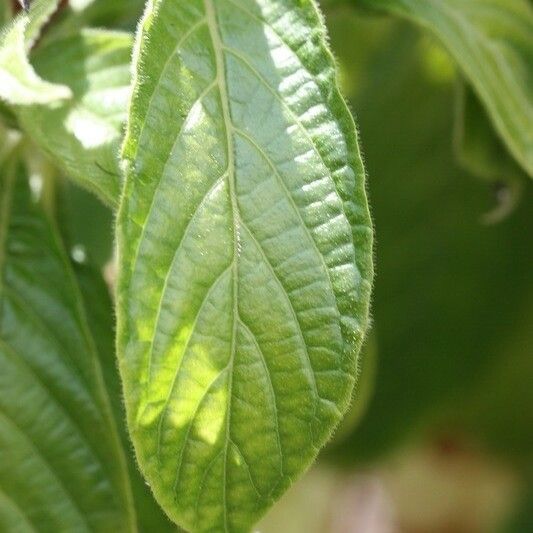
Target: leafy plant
228	173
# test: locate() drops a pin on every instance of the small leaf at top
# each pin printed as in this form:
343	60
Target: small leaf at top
492	42
245	260
19	84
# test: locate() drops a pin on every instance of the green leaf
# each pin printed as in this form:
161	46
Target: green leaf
121	13
83	135
491	41
245	259
19	84
63	467
92	242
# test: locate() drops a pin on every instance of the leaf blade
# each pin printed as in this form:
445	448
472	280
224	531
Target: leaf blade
491	42
66	467
190	323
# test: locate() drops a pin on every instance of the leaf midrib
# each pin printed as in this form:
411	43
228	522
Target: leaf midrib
218	48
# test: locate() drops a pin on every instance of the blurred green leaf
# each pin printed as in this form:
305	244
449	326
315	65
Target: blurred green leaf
80	14
478	147
63	466
118	13
19	83
83	135
492	42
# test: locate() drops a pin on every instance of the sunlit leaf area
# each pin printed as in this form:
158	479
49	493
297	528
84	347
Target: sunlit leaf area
266	266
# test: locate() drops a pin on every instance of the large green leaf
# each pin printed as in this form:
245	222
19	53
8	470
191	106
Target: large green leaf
19	84
83	134
244	255
63	467
492	42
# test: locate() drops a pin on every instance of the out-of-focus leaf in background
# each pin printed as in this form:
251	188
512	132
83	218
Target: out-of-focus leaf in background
491	40
83	135
477	146
480	151
115	14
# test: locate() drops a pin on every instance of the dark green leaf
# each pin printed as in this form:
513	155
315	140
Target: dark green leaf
79	14
481	152
63	467
93	242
